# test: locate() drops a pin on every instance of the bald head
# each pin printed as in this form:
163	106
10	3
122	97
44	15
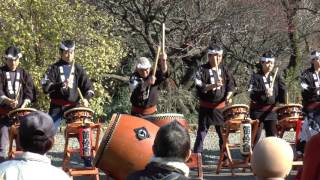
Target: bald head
272	159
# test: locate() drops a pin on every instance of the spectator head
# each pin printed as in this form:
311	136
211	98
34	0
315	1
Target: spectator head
272	159
36	132
172	141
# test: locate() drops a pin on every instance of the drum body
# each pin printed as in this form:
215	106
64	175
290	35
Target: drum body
163	119
15	115
126	147
290	112
236	112
78	114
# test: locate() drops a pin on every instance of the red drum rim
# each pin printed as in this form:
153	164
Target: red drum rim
164	115
21	109
237	106
77	109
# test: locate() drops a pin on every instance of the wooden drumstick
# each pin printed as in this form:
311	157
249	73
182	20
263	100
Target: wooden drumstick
274	78
80	94
18	93
163	37
156	62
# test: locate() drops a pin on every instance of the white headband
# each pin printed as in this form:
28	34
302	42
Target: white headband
9	56
264	59
62	46
316	55
214	51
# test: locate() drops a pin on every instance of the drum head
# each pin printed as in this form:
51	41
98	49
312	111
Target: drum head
21	110
237	106
289	106
65	114
163	115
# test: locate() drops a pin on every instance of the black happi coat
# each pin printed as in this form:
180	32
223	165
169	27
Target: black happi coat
213	116
309	90
53	84
258	96
157	171
137	95
26	86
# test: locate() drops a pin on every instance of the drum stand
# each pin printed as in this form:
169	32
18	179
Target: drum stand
195	161
233	126
13	136
287	124
72	131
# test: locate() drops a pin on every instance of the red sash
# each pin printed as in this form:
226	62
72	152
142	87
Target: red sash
61	102
210	105
144	111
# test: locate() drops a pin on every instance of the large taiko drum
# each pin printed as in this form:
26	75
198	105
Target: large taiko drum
236	112
78	114
15	115
289	112
126	147
163	119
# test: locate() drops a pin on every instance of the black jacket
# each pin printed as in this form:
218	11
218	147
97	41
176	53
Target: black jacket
157	171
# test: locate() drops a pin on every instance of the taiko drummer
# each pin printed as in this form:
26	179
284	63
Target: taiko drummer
215	86
266	90
144	85
17	90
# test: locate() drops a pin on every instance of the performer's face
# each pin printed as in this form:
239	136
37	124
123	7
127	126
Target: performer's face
267	66
12	64
67	56
316	63
144	72
213	58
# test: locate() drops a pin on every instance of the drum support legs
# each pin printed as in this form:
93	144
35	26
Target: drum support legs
71	131
13	136
225	153
195	161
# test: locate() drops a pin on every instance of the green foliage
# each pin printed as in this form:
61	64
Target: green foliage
38	26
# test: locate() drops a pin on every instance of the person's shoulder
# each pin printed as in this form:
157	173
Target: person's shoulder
59	173
136	175
10	165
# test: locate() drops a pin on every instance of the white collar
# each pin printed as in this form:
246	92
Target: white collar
29	156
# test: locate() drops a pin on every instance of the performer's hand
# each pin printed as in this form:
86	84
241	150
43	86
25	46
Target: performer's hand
219	83
13	104
84	102
65	84
163	57
228	101
269	92
151	80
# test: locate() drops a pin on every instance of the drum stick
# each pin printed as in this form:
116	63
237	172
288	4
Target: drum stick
163	37
287	97
274	78
156	62
71	71
18	93
80	94
216	66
